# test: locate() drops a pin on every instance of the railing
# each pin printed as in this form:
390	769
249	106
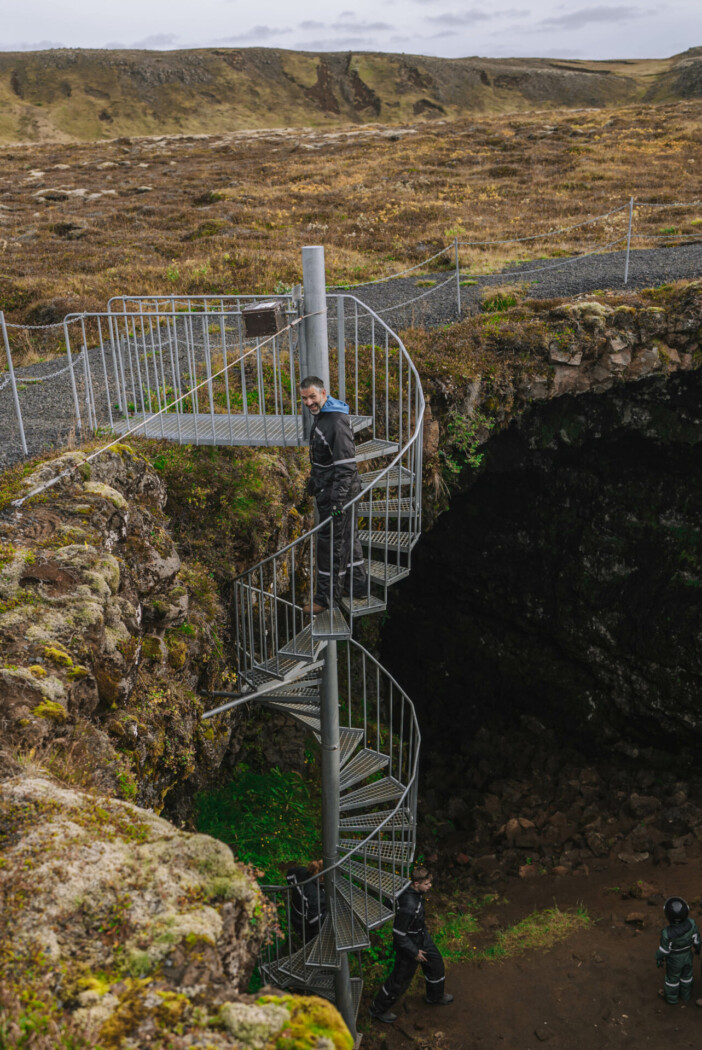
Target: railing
372	703
382	386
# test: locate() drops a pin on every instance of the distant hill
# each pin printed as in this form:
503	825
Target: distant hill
85	95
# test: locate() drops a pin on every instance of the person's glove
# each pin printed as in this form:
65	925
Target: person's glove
337	510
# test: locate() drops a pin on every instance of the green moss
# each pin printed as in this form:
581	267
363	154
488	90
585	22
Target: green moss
51	710
57	656
177	654
311	1020
77	672
151	648
38	671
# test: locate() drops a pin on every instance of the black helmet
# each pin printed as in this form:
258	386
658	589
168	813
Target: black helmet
676	910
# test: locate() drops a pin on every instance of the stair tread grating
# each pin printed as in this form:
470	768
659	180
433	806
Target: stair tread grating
368	603
396	852
375	448
292	708
381	479
348	742
362	765
370	821
330	624
386	572
275	667
379	881
384	790
324	951
392	507
296	966
383	538
350	932
369	911
292	696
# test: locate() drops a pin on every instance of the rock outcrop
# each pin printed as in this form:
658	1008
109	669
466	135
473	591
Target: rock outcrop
119	931
105	633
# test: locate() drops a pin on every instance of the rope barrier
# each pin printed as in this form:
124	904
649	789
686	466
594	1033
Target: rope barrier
416	299
379	280
554	266
551	233
673	204
43	327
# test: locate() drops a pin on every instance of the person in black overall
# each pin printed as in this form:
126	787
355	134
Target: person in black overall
333	482
307	902
678	941
413	947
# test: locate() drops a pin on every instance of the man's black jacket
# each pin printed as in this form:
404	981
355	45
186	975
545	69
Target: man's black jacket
333	457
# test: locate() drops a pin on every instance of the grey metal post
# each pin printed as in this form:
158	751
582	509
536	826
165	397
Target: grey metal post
628	239
316	313
331	770
13	383
458	277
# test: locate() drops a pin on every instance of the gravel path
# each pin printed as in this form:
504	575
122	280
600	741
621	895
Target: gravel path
47	408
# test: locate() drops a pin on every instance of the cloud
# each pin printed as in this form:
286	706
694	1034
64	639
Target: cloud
39	45
588	15
258	33
312	25
354	26
474	16
341	43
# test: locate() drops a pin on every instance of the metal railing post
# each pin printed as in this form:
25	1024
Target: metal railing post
331	772
628	240
315	301
13	383
458	277
341	345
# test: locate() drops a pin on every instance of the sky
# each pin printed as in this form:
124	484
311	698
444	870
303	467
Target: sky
447	28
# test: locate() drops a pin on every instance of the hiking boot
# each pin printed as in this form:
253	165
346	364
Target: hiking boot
387	1017
661	995
445	999
313	608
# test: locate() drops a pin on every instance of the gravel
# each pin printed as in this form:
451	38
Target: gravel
47	408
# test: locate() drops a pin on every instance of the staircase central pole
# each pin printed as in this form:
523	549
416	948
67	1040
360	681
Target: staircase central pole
331	771
315	323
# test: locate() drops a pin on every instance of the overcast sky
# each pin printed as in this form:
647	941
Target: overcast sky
499	29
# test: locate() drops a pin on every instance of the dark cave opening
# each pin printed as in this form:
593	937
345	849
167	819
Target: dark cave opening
556	607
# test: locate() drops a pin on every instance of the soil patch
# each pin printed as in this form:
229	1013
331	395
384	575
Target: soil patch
594	991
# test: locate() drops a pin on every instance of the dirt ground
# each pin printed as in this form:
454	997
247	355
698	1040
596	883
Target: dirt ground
594	991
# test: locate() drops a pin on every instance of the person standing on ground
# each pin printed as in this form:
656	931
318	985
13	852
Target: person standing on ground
678	941
333	482
413	947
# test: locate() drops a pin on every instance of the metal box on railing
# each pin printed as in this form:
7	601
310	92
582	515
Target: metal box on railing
263	318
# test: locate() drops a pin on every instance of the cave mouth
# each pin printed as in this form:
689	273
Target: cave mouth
556	606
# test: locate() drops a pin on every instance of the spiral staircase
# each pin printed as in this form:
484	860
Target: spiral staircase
156	371
298	664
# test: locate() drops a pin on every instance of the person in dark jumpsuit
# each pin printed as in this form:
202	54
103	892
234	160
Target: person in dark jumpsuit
678	941
333	482
307	902
413	947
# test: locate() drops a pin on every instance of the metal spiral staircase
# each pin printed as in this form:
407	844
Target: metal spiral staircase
312	669
155	369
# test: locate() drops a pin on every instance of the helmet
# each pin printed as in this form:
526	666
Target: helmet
676	910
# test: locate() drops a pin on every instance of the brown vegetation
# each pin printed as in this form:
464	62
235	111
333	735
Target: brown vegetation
225	214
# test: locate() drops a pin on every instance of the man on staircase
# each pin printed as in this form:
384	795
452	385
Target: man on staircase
333	482
413	947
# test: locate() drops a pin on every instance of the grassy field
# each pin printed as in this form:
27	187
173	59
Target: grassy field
229	213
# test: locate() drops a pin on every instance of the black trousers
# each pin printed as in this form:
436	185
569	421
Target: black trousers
347	559
403	971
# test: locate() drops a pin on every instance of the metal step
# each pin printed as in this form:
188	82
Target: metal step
381	882
282	666
300	645
394	852
366	822
294	695
385	790
393	508
375	448
349	739
395	476
329	625
310	720
324	951
296	967
391	541
383	572
350	934
225	428
294	710
368	911
361	606
362	765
